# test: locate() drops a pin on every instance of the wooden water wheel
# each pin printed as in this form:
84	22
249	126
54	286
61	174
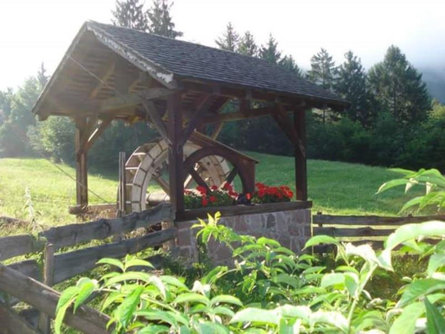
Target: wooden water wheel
206	162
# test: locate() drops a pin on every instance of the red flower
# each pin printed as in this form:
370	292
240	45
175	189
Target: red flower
214	188
248	196
202	190
204	201
228	187
212	199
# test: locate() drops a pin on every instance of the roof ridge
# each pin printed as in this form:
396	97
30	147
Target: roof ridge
183	41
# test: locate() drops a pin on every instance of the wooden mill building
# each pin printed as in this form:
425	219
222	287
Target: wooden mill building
112	73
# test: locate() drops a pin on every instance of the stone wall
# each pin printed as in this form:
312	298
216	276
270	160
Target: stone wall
292	228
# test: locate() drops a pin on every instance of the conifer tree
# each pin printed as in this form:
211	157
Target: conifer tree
42	77
160	21
229	39
130	14
398	87
247	45
269	52
322	70
288	63
351	84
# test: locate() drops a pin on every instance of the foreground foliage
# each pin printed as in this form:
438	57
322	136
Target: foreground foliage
272	290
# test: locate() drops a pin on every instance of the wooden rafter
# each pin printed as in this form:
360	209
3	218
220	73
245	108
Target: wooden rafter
129	100
196	118
104	79
156	119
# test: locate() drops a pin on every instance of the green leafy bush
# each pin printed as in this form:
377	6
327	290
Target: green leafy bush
270	289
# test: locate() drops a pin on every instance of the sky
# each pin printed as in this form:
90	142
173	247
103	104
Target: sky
36	31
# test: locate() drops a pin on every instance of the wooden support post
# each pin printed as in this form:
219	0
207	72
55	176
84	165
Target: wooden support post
81	164
122	181
48	280
175	153
300	155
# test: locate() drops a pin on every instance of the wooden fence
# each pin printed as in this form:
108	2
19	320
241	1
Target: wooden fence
363	229
30	282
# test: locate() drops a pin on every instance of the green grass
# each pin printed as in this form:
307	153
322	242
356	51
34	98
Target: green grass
334	187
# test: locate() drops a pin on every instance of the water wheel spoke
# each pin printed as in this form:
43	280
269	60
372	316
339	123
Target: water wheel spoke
189	178
198	179
164	184
231	176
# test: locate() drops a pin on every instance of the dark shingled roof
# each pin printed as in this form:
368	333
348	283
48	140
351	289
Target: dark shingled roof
190	60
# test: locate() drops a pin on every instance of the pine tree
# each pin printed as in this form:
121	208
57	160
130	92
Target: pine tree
351	84
229	40
269	52
398	87
289	64
42	77
247	45
160	21
322	70
130	14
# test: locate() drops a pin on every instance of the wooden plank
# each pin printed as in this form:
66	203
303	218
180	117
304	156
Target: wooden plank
96	133
18	245
29	268
352	232
74	234
300	155
12	323
70	264
121	195
372	220
129	100
45	299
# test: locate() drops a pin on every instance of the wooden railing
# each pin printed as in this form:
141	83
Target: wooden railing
363	229
20	280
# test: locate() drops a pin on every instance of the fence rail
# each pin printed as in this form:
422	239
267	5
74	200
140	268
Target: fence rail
20	280
363	229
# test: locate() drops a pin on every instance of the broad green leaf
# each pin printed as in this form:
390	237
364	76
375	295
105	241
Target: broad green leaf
154	329
125	311
436	261
291	311
137	262
320	239
335	319
157	282
86	288
412	202
391	184
406	321
420	288
191	297
113	262
66	299
111	298
412	231
226	299
364	251
129	276
211	328
252	314
171	280
333	279
163	316
435	321
221	310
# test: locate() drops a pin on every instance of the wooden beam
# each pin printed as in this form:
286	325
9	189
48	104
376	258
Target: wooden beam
217	130
81	164
156	119
175	153
128	100
196	118
239	115
300	155
95	133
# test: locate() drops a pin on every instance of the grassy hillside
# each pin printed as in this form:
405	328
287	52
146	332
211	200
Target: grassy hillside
334	187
